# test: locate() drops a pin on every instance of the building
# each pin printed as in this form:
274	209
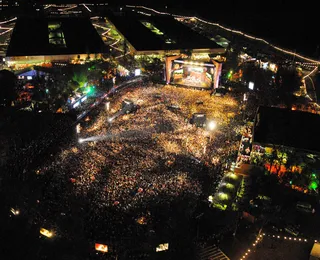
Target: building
283	139
38	40
282	127
190	58
4	4
315	252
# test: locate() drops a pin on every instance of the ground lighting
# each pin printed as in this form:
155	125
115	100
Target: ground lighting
46	232
101	248
15	211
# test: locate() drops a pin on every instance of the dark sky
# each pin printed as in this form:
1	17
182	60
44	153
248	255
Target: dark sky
282	22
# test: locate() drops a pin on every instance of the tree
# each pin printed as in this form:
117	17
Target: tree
232	54
73	85
80	77
125	47
7	87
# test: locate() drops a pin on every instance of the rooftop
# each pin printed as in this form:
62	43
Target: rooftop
289	128
151	33
315	252
34	36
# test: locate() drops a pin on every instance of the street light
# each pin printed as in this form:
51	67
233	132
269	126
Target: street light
212	125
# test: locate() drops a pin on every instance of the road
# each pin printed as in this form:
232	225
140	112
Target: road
309	79
311	89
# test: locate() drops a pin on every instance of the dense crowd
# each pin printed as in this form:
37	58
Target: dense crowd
151	157
27	148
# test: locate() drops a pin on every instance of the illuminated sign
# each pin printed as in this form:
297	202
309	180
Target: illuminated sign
137	72
251	85
101	247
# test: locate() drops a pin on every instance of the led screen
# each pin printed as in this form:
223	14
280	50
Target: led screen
192	75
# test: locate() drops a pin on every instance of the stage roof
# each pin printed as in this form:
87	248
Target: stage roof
289	128
154	33
70	35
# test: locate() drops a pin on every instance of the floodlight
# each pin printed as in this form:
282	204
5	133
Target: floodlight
212	125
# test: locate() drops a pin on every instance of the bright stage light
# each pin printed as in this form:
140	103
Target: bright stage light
80	140
110	119
212	125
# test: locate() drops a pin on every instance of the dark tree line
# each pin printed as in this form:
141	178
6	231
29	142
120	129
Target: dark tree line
7	87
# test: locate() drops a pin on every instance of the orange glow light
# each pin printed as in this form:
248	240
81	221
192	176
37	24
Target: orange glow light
101	247
46	232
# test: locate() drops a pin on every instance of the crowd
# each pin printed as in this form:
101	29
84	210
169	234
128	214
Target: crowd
28	147
140	160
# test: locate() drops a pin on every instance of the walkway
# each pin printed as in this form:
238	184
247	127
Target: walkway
212	253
